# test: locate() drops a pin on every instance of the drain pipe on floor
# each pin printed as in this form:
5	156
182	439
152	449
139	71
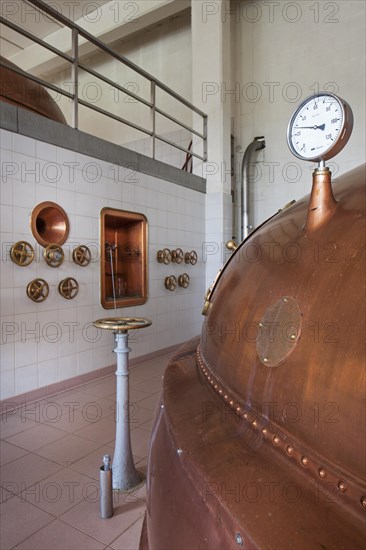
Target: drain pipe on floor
257	144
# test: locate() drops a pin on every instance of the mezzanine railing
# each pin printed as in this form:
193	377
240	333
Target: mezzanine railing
74	96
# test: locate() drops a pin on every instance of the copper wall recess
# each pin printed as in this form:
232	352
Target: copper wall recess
37	290
123	258
49	224
68	288
82	256
53	255
22	253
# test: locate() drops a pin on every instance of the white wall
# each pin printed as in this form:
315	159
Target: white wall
38	345
289	50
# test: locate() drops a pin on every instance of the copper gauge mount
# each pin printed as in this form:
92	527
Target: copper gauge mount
22	253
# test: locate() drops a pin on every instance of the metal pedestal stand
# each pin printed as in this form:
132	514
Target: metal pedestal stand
124	474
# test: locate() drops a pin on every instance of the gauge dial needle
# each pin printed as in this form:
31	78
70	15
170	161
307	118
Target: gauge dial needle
315	127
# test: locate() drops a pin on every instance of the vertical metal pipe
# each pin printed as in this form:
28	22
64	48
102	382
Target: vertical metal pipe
257	144
75	78
153	117
205	138
125	475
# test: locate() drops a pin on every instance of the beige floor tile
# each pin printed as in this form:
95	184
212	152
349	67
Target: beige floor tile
36	437
150	402
139	442
130	539
67	450
9	452
85	516
103	432
26	471
100	388
60	536
13	423
19	520
154	385
90	464
59	492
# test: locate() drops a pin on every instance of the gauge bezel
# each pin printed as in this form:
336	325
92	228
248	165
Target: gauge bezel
343	136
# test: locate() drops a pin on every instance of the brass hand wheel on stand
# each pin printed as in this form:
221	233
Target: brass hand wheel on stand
53	255
37	290
68	288
82	256
22	253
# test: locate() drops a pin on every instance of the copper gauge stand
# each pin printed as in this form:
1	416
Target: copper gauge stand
124	474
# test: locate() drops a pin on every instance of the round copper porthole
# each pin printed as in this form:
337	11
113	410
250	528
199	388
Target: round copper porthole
49	223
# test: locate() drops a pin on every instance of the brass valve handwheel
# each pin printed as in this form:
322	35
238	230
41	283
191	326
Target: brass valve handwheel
177	256
68	288
184	280
164	256
191	257
82	256
53	255
37	290
170	283
22	253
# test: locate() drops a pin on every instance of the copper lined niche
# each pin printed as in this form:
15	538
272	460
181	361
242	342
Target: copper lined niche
123	258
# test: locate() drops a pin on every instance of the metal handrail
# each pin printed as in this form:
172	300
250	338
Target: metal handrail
76	66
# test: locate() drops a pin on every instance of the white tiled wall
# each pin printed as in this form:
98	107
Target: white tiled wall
53	341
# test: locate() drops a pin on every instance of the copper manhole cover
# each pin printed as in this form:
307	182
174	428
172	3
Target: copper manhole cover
279	331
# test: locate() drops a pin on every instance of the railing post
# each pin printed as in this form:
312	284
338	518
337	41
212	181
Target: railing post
153	117
205	138
75	78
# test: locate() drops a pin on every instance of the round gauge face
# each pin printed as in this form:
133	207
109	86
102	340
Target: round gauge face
320	127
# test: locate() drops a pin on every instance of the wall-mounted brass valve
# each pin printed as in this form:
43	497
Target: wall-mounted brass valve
231	245
37	290
82	256
191	257
177	256
68	288
53	255
184	280
22	253
164	256
170	283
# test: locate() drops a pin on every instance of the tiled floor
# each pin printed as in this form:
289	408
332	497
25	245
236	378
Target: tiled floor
51	452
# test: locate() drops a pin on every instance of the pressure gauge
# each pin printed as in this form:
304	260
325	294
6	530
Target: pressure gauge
320	127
